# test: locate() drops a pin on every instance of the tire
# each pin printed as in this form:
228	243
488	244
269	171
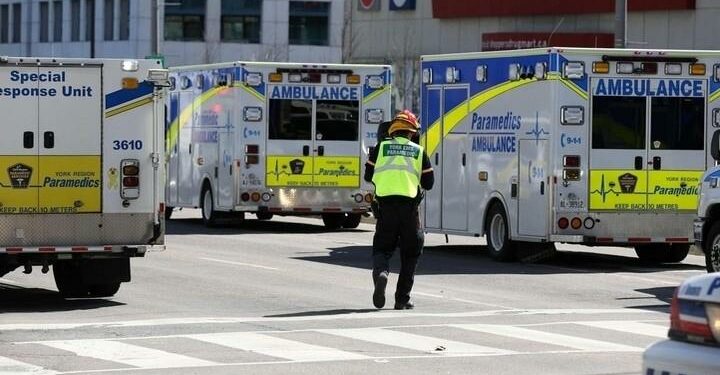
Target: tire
351	221
68	280
497	234
712	248
207	206
333	221
662	253
168	212
264	215
104	290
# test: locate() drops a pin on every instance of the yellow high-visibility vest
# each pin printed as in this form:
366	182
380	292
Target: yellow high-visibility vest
398	168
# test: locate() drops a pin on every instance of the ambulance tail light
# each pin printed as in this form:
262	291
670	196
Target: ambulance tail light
295	77
575	223
252	159
374	115
571	175
697	69
333	78
649	68
563	223
673	69
571	161
252	154
694	321
352	79
574	70
572	115
601	67
252	149
253	79
130	177
255	197
625	67
369	197
358	198
275	77
245	196
252	114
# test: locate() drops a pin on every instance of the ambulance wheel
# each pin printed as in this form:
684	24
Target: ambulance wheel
104	290
351	221
209	215
333	221
712	248
263	215
168	212
68	279
662	253
497	233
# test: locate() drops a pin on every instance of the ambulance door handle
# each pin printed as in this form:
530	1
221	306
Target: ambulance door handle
190	148
657	163
306	150
437	160
463	159
542	187
28	139
638	163
49	139
321	150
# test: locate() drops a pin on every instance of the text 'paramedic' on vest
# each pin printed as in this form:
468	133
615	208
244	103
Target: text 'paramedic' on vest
495	142
314	92
31	79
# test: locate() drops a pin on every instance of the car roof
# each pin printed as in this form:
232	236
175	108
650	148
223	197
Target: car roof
704	288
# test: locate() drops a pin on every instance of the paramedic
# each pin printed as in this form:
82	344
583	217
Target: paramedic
398	168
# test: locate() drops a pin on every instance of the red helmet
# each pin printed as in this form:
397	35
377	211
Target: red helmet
406	121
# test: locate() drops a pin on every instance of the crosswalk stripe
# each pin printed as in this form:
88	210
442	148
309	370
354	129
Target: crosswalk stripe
276	347
637	328
548	338
413	341
127	354
12	367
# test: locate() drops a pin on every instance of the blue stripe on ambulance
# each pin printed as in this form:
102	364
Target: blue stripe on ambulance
432	113
122	96
367	91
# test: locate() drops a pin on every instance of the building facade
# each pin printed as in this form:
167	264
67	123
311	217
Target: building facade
193	31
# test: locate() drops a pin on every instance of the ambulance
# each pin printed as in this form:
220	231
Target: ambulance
81	168
274	139
573	145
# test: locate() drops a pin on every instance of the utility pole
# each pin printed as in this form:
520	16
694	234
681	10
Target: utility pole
620	23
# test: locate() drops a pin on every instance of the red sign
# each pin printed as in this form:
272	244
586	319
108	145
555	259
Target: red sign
487	8
505	41
369	4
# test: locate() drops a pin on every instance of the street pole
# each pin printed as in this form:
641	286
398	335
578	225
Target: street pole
158	26
620	23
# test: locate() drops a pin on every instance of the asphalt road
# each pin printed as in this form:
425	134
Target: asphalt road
285	296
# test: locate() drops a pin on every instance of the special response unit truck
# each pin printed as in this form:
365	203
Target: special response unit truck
588	146
81	168
274	138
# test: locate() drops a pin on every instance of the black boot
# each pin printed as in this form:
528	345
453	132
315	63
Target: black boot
404	306
379	294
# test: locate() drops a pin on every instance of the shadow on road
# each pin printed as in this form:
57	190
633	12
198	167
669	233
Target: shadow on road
323	313
196	226
15	299
663	294
473	260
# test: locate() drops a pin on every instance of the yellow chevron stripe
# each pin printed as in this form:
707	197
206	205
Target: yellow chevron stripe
132	105
250	91
714	96
186	115
375	94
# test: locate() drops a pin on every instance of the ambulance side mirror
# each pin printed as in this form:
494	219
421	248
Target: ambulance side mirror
715	146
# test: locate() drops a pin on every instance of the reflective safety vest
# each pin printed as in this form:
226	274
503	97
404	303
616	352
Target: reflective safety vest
398	168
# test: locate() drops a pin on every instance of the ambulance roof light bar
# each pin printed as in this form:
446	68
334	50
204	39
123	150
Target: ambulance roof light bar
650	59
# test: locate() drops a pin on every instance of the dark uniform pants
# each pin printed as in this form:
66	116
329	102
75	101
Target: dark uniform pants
398	221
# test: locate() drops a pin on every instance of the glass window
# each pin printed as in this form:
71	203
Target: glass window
618	122
337	120
57	21
109	19
309	23
4	23
17	22
90	20
290	119
75	20
185	20
44	21
677	124
124	19
241	20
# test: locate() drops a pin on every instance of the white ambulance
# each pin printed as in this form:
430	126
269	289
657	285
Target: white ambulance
274	138
81	172
588	146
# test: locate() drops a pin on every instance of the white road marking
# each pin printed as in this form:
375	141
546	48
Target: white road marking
411	341
637	328
127	354
12	367
548	338
386	314
241	264
276	347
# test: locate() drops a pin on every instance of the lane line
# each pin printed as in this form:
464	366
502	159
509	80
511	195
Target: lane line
12	367
411	341
549	338
241	264
276	347
127	354
637	328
